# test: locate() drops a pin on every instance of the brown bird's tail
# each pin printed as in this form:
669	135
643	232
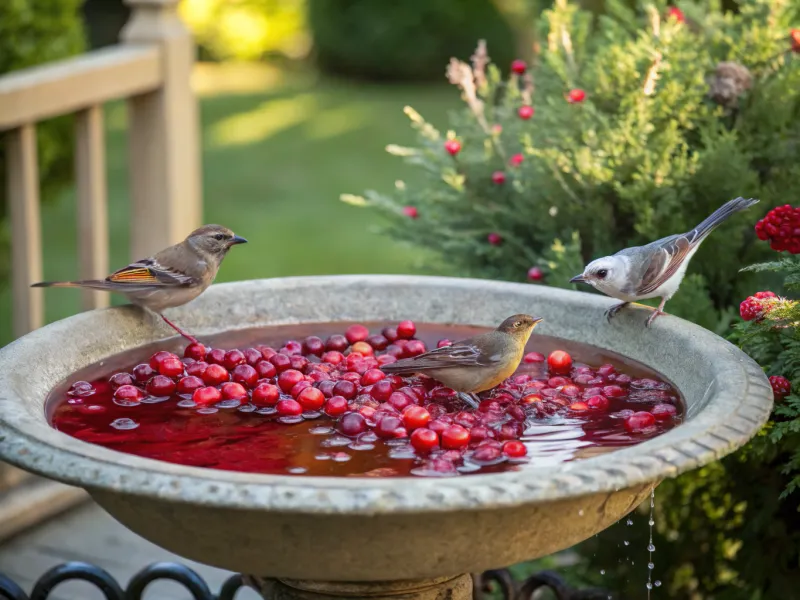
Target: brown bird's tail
401	367
95	284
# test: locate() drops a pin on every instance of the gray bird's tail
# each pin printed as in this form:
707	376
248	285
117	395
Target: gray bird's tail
720	215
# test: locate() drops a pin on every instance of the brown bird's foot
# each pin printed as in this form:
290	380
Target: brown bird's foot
612	312
191	338
470	399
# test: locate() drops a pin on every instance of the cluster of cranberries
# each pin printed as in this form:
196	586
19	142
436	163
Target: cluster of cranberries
781	387
753	308
781	227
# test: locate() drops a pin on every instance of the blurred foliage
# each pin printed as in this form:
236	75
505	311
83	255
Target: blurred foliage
386	40
33	32
247	29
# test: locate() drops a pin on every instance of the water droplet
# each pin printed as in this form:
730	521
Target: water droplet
154	399
323	456
267	410
186	403
290	419
124	424
125	403
296	470
629	522
247	408
651	548
207	410
312	414
368	438
335	441
602	571
341	457
322	430
657	583
229	404
649	586
361	446
651	566
651	522
626	542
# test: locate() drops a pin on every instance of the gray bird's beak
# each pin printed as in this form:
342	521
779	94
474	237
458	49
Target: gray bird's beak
578	279
237	239
537	320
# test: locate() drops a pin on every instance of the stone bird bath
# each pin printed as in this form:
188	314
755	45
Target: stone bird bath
318	537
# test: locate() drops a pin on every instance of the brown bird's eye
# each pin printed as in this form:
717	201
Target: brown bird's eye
517	323
219	236
601	274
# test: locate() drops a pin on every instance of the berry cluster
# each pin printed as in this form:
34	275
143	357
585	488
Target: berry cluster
781	226
795	35
781	387
753	308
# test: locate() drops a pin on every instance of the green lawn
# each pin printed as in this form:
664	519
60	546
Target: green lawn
278	149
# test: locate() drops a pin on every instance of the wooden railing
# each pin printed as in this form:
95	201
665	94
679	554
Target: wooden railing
151	69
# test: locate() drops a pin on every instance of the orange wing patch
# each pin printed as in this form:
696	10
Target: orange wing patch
138	275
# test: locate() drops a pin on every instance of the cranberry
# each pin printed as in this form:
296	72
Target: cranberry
252	356
313	345
453	147
498	177
455	436
387	426
265	370
196	369
443	343
439	424
489	406
381	391
399	401
215	374
480	433
598	402
525	112
356	333
351	377
614	391
352	424
289	408
245	374
466	419
288	379
424	440
266	394
299	387
189	384
639	421
372	376
557	381
206	395
345	388
161	386
171	367
781	387
395	350
195	351
143	372
366	411
579	406
333	357
517	413
576	96
531	399
120	379
533	357
311	399
415	348
515	449
337	342
158	357
535	274
664	412
559	361
129	393
335	406
363	348
519	67
495	239
406	330
90	409
292	347
266	352
326	387
378	342
215	356
390	333
415	417
509	431
281	362
233	391
486	454
233	358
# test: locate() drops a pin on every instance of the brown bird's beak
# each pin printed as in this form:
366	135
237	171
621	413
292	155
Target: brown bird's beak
578	279
237	239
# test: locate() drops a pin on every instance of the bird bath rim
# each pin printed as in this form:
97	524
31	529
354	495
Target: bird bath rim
723	412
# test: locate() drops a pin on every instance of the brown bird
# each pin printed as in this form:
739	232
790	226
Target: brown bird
173	277
476	364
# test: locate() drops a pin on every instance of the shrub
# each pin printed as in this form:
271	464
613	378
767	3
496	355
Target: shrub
402	40
33	32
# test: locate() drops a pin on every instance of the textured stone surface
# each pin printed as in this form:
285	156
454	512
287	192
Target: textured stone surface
387	529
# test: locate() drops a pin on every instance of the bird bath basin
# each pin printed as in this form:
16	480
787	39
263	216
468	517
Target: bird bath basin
316	537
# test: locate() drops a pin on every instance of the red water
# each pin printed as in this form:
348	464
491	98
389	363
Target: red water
239	436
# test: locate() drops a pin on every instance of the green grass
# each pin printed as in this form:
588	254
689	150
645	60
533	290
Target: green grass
278	149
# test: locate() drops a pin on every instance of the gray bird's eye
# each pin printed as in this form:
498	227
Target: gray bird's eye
602	273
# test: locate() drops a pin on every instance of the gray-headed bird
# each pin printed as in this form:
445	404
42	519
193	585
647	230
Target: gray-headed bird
476	364
173	277
655	270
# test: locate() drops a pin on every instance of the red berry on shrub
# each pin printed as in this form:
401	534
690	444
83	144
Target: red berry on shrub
598	402
245	374
266	394
498	178
289	408
311	399
215	356
120	379
781	387
533	357
559	361
356	333
143	372
335	406
753	308
495	239
313	345
518	66
233	391
215	374
161	386
515	449
525	112
676	13
129	393
453	147
206	395
639	421
195	351
576	96
411	212
424	440
265	370
454	437
189	384
516	160
337	342
352	424
281	361
535	274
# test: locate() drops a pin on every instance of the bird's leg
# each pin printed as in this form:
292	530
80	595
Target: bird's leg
191	338
612	312
470	399
656	312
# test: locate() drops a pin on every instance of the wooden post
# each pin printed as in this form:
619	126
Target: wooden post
163	129
90	175
22	174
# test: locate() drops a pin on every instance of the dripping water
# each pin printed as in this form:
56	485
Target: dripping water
650	547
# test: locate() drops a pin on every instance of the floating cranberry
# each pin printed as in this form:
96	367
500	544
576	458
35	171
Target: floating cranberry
266	351
598	403
531	399
363	348
533	357
252	356
326	387
158	357
623	379
382	390
206	395
336	406
781	387
639	421
517	413
232	359
487	406
346	389
352	424
299	387
415	417
455	436
288	379
128	393
215	356
415	348
246	375
298	362
367	411
559	361
515	449
313	345
390	333
466	419
509	431
387	426
557	381
579	407
453	147
356	333
333	357
311	399
614	391
664	412
119	379
266	394
525	112
479	433
196	369
385	359
195	351
439	424
171	367
189	384
372	376
265	370
378	342
215	375
486	454
406	330
399	401
443	343
90	409
395	350
337	342
519	67
281	361
160	386
233	391
351	377
292	347
289	408
143	372
424	440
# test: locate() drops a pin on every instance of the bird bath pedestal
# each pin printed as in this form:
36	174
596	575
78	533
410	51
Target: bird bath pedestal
322	537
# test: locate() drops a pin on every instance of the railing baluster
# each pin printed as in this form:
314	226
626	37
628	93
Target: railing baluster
26	237
90	175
